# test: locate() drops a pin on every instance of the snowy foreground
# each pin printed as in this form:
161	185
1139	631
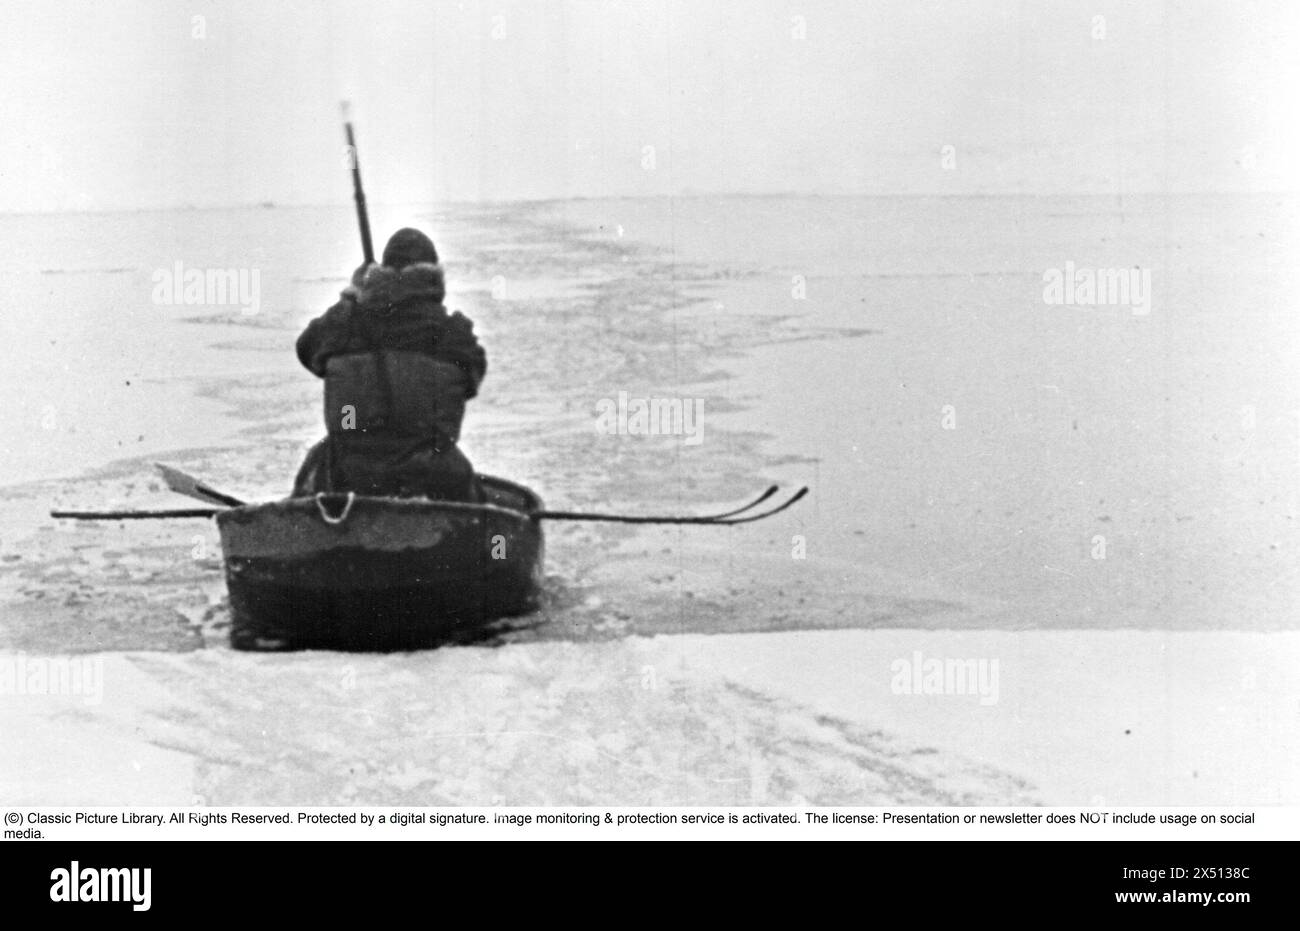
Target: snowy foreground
1089	514
1116	718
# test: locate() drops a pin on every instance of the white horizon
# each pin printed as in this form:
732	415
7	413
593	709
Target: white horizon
471	102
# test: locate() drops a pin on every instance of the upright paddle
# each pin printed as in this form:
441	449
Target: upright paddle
358	195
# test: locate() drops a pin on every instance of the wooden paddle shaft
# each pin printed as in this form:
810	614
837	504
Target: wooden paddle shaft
358	193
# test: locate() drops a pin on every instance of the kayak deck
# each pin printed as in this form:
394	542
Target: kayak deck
361	573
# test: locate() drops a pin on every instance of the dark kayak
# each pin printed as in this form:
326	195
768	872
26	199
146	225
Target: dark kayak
355	572
347	572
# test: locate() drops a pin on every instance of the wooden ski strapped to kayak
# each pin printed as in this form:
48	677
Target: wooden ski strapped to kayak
185	484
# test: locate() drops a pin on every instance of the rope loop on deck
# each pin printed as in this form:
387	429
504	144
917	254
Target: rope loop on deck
343	515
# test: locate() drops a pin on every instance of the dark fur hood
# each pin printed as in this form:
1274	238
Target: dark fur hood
381	287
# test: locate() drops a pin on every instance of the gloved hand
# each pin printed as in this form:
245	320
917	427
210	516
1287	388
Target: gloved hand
359	275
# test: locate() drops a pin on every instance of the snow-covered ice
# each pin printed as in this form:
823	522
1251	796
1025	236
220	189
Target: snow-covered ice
754	665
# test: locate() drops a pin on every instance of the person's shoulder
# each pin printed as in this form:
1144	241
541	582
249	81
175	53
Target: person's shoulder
324	331
341	311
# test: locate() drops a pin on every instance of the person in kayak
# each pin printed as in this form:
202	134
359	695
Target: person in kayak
398	370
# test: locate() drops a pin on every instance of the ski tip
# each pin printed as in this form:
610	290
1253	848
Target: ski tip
767	493
750	518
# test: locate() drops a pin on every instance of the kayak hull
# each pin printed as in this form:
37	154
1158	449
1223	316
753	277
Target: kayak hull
361	573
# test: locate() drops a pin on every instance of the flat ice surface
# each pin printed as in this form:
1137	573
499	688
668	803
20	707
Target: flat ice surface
1101	502
1105	718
